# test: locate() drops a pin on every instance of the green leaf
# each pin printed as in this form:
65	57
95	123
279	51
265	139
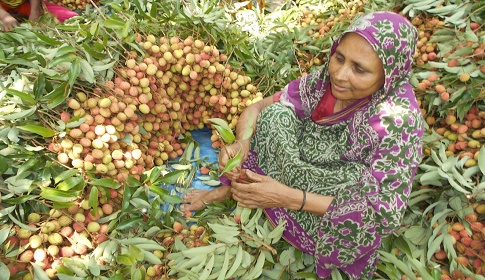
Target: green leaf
57	195
39	85
26	98
105	182
225	265
236	263
57	96
13	135
224	130
434	245
481	159
128	191
127	28
94	267
398	263
20	200
4	270
104	66
172	199
65	175
47	39
71	184
130	223
93	200
4	233
416	234
74	71
233	162
208	268
37	129
258	267
126	259
421	268
172	177
39	273
86	71
20	115
62	51
17	61
150	257
3	164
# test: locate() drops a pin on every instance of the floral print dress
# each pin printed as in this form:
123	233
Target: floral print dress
365	157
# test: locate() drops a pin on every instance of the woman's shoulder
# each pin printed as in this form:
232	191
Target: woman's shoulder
398	113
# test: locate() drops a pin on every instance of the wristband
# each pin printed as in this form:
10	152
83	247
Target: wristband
303	202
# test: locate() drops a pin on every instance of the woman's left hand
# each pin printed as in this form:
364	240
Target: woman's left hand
263	192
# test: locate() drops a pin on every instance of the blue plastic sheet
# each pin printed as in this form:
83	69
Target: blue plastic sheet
203	137
209	154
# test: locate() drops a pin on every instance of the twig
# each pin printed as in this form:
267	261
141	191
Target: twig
271	249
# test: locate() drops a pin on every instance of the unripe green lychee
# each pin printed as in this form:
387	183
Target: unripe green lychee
35	241
47	227
151	272
33	218
64	220
93	227
24	233
55	239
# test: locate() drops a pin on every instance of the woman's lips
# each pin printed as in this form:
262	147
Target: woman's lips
338	88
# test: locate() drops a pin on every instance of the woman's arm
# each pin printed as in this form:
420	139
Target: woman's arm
249	117
36	9
244	131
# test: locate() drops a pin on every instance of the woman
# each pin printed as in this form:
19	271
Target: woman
32	10
335	156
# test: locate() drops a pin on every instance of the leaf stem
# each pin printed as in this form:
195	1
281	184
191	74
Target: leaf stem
268	247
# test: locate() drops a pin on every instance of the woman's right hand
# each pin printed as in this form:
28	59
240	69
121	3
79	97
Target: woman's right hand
230	151
8	23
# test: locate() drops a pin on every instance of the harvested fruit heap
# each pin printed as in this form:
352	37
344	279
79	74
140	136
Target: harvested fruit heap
321	23
132	124
75	4
71	237
449	82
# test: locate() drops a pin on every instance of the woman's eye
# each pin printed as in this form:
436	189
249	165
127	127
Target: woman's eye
359	70
339	58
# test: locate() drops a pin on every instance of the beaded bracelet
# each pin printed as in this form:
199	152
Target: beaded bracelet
304	200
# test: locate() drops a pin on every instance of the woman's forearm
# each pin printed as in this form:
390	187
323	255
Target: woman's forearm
247	120
314	203
35	4
3	13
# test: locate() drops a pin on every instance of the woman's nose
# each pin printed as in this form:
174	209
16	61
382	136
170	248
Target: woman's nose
342	73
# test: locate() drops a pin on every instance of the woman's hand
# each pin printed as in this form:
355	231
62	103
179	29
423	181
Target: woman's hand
230	151
264	192
8	22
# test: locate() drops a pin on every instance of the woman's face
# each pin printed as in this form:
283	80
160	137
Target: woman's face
355	69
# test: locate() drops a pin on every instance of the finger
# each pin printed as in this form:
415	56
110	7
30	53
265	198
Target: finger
231	175
238	191
255	177
243	181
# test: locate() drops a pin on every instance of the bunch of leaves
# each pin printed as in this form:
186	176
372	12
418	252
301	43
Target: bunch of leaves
455	13
243	245
402	256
